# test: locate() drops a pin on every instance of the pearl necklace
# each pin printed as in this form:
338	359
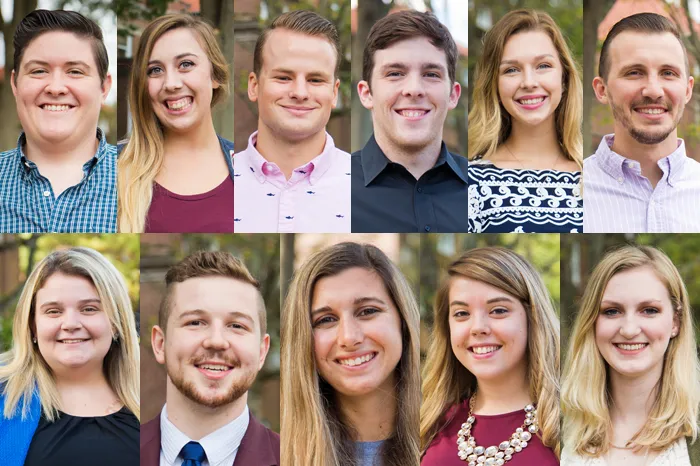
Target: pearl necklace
475	455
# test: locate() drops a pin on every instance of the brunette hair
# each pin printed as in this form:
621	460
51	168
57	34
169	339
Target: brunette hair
303	21
404	25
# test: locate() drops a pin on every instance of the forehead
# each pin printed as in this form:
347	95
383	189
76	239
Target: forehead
65	288
462	288
57	47
415	53
628	283
217	296
297	51
526	45
176	42
348	285
639	48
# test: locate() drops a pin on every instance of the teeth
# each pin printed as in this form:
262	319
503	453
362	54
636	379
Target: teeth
631	347
413	113
71	341
531	101
484	349
356	361
213	367
56	108
651	111
180	104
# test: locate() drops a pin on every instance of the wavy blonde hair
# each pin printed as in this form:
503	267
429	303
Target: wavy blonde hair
24	370
142	156
313	432
446	382
489	122
585	391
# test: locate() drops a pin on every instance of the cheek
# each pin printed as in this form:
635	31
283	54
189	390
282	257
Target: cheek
322	343
153	89
458	334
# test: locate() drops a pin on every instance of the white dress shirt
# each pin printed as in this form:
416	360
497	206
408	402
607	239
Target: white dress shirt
220	446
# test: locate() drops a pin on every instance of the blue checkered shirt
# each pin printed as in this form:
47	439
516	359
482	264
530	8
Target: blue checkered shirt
28	204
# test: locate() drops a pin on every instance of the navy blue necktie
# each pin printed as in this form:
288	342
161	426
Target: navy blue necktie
192	454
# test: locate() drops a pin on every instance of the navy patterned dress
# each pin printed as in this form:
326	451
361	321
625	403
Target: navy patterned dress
505	200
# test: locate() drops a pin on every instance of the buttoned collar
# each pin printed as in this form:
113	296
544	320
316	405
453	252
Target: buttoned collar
28	165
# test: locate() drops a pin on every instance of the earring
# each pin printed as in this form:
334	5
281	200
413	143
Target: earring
34	340
115	337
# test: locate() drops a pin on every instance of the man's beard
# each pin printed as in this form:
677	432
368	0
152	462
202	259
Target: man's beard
238	387
641	136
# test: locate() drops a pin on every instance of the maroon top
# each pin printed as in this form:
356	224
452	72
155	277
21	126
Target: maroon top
210	212
487	431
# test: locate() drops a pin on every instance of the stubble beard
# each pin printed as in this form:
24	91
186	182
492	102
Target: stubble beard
641	136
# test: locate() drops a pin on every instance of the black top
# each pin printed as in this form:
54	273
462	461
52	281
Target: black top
111	440
386	198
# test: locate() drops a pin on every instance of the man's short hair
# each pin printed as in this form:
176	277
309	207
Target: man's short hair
302	21
650	23
38	22
208	264
404	25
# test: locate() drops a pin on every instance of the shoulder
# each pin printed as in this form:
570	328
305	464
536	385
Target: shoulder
150	430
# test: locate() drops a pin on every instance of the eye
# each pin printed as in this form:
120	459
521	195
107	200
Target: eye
52	311
76	72
669	73
37	72
90	309
394	74
368	311
187	64
460	313
283	78
510	70
651	311
633	73
324	320
544	66
432	74
154	70
195	323
610	312
499	311
317	80
237	326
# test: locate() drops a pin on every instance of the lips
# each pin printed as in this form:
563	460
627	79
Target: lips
631	346
179	104
531	100
56	107
73	341
356	360
484	349
650	110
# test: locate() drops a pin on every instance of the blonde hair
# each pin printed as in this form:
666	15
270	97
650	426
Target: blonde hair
142	156
489	123
585	391
312	431
446	382
24	370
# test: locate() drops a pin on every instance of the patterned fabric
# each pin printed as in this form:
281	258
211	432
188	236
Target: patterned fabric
315	199
619	199
675	455
523	201
28	204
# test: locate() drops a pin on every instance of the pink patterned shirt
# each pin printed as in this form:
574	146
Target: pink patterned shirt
315	199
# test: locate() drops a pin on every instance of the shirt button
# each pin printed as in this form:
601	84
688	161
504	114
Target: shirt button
620	180
47	194
427	228
420	190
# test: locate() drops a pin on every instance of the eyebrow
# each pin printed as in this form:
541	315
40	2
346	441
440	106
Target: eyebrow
632	66
538	57
45	63
647	302
202	312
356	302
497	299
177	57
80	302
403	66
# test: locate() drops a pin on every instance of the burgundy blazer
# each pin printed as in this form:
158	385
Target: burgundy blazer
260	446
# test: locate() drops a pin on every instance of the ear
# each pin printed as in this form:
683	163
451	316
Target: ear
158	343
600	90
252	87
335	92
264	348
689	89
106	86
365	94
12	83
676	324
454	95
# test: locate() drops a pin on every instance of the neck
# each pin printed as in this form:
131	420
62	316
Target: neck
87	379
648	155
372	416
195	420
287	154
189	145
505	394
70	152
535	143
633	397
417	160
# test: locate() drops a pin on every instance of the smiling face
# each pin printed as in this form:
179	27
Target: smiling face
357	332
488	330
58	89
636	322
297	88
530	78
647	86
180	83
72	329
213	348
409	93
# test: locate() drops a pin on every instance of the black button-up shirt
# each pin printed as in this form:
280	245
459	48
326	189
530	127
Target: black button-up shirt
386	198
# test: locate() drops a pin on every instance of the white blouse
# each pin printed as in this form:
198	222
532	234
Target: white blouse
675	455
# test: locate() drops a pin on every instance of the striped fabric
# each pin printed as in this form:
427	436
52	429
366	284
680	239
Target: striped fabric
28	204
618	199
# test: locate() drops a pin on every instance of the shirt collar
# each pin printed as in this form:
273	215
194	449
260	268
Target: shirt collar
28	165
314	169
217	445
374	161
614	164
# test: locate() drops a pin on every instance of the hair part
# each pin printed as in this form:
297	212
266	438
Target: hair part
304	22
24	371
648	23
489	123
446	382
142	157
586	393
313	431
208	264
39	22
404	25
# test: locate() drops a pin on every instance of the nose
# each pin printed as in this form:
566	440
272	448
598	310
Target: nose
216	339
529	78
172	81
413	85
480	325
630	327
350	334
56	84
299	90
653	88
71	320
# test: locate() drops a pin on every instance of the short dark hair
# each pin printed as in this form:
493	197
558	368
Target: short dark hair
641	22
208	264
405	25
303	21
38	22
